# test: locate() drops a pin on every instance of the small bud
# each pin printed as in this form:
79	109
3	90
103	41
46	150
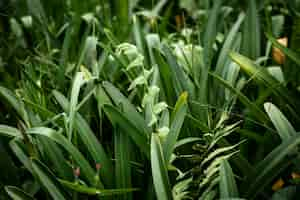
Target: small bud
98	166
278	185
295	175
277	54
77	172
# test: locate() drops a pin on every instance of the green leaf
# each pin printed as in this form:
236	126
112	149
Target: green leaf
15	102
17	194
181	80
127	107
36	9
123	150
10	131
48	180
19	150
244	99
270	167
78	82
136	134
95	149
85	167
122	11
159	170
261	75
251	32
56	156
228	44
210	33
228	187
165	77
94	191
286	193
282	125
177	119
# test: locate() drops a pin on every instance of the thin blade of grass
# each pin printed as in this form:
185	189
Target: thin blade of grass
122	156
251	32
177	119
159	170
78	82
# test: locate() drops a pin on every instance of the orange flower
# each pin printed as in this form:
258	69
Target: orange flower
295	175
278	184
277	54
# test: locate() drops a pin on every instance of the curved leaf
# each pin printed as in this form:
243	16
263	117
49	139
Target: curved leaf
85	167
48	180
261	75
17	194
270	167
282	125
10	131
91	142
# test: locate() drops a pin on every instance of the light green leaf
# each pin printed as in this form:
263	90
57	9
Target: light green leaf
17	194
10	131
261	75
159	170
78	82
228	187
123	154
282	125
177	119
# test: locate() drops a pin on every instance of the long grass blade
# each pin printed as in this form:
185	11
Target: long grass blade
159	170
177	119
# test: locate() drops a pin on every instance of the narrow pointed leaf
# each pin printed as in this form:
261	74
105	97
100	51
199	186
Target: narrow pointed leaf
261	75
159	170
48	180
85	167
17	194
228	187
270	167
9	131
177	119
137	135
95	149
282	125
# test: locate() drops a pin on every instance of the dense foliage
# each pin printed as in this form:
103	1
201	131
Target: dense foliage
133	99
